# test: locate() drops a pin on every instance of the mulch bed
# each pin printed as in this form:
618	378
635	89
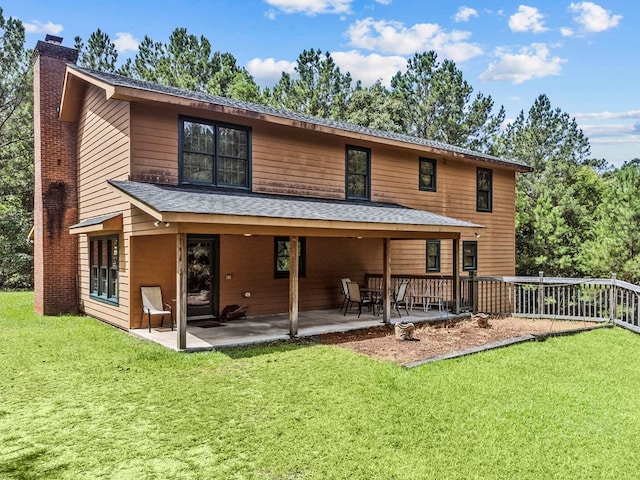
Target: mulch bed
444	339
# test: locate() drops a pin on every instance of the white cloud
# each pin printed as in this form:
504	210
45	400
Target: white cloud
528	63
528	19
125	42
369	68
464	14
634	114
384	2
607	131
394	38
366	68
39	27
593	17
268	71
312	7
270	14
566	32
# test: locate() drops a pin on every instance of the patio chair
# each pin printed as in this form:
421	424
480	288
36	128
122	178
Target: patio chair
152	305
402	298
345	292
436	296
353	290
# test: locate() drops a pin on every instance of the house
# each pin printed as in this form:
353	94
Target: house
218	200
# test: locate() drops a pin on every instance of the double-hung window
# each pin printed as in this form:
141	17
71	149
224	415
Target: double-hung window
104	268
427	174
433	255
484	190
358	173
470	255
281	257
213	153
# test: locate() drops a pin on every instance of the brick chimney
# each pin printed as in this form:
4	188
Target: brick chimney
55	202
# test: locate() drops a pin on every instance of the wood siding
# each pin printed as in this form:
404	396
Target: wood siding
103	154
290	161
118	139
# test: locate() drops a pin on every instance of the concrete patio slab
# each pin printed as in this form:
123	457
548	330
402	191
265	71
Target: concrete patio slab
263	329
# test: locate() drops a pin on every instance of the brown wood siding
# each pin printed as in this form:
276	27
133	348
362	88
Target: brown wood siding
154	151
153	262
288	161
103	154
250	261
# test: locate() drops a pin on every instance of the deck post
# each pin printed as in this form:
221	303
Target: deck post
386	282
613	295
540	294
473	282
293	285
181	290
455	287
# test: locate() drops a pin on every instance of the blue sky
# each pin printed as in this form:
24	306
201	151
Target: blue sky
582	54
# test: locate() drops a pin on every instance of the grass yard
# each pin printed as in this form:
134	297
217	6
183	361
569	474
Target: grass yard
82	400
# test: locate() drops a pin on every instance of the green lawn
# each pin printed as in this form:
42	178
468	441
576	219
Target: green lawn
82	400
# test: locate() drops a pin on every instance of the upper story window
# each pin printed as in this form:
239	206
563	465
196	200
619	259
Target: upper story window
484	190
103	276
427	174
214	154
358	173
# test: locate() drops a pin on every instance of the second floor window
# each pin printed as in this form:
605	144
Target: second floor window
484	190
214	154
358	173
427	174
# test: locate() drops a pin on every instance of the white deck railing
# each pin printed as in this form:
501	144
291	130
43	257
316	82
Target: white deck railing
591	299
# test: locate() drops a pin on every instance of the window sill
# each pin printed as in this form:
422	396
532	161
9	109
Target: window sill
108	301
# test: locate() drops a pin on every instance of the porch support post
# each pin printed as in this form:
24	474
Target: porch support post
386	282
181	290
456	276
293	285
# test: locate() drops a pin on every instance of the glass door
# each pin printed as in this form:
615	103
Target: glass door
202	277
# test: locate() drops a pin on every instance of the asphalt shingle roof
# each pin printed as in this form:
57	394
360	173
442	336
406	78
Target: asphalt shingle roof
121	81
172	199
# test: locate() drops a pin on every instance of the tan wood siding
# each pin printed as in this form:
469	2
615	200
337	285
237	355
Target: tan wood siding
103	154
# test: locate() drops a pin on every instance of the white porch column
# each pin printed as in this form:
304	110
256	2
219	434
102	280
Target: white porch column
181	290
456	276
386	281
293	285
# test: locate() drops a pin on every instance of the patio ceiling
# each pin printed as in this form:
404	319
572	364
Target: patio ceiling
263	213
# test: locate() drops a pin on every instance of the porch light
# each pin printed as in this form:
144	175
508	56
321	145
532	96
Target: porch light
157	223
248	234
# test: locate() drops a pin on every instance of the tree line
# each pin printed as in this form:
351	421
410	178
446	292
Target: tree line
575	215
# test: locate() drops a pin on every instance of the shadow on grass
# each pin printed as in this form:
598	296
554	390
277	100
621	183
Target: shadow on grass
279	346
31	464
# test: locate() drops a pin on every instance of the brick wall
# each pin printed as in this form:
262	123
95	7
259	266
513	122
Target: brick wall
55	202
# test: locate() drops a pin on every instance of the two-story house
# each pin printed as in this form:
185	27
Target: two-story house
213	199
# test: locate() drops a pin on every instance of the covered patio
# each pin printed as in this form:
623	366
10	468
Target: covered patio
271	328
247	217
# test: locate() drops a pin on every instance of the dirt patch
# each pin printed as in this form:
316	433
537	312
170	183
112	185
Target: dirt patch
432	340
